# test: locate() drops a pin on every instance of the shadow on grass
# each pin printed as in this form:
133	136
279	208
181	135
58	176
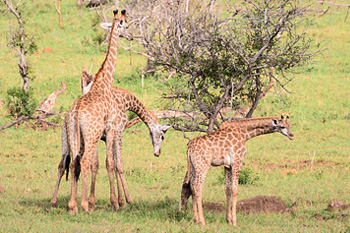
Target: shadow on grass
165	209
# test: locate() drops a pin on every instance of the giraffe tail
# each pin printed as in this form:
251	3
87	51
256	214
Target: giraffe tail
67	163
186	191
77	169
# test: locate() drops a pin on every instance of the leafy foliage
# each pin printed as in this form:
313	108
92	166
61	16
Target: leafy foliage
20	102
224	59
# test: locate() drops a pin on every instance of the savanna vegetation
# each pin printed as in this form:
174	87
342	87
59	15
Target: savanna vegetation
319	156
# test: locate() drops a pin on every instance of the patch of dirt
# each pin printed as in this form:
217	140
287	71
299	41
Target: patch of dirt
299	203
300	165
319	218
336	204
267	204
214	207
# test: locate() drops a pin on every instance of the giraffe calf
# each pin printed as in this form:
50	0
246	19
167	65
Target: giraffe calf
225	147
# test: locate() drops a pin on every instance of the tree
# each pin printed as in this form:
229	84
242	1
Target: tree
223	58
20	42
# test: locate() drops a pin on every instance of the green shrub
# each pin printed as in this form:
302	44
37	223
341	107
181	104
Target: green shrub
20	103
246	177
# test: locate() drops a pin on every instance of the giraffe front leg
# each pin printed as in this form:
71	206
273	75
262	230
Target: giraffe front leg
117	153
94	169
110	164
120	188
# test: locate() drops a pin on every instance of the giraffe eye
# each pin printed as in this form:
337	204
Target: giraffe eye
162	137
282	127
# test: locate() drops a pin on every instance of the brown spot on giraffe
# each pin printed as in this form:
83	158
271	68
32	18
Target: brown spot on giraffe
200	158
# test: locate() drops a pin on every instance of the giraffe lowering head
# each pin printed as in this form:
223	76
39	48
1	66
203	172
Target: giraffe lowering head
282	125
157	132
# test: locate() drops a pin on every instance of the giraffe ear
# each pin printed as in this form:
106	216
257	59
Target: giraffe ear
164	128
106	25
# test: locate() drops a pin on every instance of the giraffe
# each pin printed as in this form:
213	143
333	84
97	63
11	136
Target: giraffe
125	101
89	116
224	147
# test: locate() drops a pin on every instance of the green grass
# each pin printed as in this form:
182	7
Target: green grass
319	107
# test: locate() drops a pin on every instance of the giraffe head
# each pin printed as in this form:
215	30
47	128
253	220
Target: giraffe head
122	25
282	125
157	132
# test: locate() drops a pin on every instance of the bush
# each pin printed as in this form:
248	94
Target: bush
247	176
20	103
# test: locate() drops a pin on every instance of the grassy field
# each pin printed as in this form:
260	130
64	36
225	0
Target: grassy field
320	114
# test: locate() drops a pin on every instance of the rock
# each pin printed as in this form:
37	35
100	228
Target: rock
47	50
289	171
267	204
214	207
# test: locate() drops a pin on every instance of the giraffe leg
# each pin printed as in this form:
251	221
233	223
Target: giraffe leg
60	174
119	163
73	208
110	167
120	188
235	177
94	169
194	205
85	164
228	191
62	164
200	183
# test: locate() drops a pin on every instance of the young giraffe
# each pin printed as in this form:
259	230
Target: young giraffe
224	147
127	101
90	115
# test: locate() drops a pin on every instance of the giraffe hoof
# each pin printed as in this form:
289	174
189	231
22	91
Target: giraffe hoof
73	211
53	206
121	203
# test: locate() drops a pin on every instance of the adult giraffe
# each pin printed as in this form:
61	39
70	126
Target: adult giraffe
125	101
90	116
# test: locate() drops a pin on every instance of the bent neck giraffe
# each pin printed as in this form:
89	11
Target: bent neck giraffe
225	147
124	101
85	121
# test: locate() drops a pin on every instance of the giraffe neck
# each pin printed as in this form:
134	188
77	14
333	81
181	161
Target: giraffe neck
104	77
254	127
136	106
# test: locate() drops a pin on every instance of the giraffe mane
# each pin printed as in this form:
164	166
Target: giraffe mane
238	122
150	112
